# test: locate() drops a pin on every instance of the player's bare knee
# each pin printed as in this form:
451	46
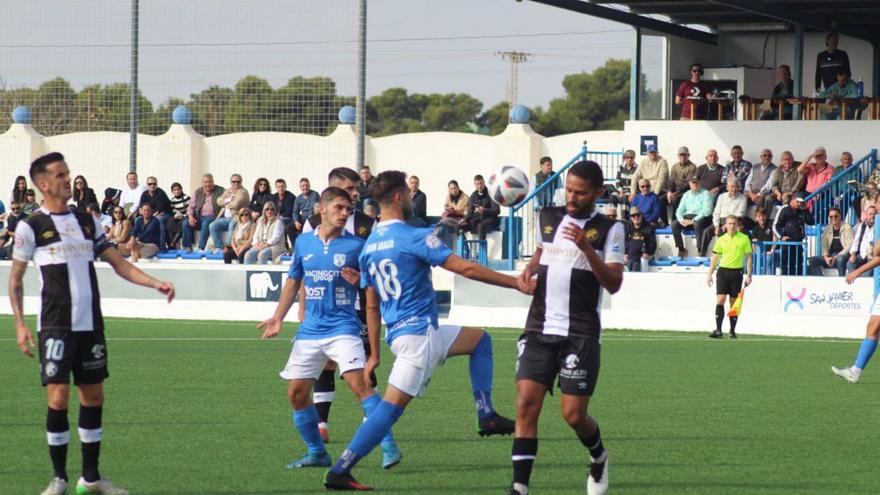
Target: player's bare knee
575	417
298	396
59	397
527	408
91	395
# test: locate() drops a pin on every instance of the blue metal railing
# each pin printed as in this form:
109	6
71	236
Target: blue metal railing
837	192
789	256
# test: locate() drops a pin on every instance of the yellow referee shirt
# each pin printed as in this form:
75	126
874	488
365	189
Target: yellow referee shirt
733	250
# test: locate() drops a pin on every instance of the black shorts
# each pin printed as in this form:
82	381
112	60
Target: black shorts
728	282
63	352
574	359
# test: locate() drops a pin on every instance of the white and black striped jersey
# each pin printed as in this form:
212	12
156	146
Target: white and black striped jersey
568	296
63	247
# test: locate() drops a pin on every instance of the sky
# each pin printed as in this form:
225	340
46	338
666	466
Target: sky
424	46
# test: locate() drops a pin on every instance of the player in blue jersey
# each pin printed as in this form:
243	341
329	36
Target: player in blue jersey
329	328
396	262
853	373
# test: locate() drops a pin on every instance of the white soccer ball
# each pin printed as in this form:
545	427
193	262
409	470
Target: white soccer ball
509	186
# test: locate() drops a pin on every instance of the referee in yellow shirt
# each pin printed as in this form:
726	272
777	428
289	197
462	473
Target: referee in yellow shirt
732	248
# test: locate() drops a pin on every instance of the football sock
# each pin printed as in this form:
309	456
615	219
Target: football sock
866	350
523	456
58	436
325	391
368	436
593	443
306	423
733	320
480	365
369	405
719	316
90	433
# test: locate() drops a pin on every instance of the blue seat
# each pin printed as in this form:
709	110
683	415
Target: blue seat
169	255
689	262
661	262
214	256
195	255
665	230
285	257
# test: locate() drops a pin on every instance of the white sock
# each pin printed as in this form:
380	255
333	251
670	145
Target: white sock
322	425
522	489
599	459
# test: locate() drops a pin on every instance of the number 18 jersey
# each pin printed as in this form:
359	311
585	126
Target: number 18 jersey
397	261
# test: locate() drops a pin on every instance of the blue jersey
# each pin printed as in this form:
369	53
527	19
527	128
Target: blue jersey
397	261
330	299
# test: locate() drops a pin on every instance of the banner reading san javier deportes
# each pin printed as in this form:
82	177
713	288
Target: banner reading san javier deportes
829	296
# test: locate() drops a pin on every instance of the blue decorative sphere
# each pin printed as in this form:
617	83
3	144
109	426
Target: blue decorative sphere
519	114
347	115
21	115
182	115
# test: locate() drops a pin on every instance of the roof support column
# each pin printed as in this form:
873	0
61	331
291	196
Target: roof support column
798	72
635	72
875	70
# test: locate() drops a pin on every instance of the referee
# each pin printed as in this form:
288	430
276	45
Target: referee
731	248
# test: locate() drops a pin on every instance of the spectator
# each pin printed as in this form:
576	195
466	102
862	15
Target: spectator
419	203
711	175
120	231
731	203
179	204
737	167
784	89
268	240
623	185
242	237
482	213
455	210
846	161
18	190
545	197
786	179
817	172
364	186
641	240
845	88
647	202
145	236
304	204
760	179
861	250
131	195
232	200
30	204
7	234
261	195
202	210
83	195
655	169
161	206
111	200
830	62
763	232
283	201
610	212
695	210
106	220
692	94
790	226
679	174
2	215
834	245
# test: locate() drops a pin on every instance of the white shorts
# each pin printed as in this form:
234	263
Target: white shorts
417	356
875	306
308	356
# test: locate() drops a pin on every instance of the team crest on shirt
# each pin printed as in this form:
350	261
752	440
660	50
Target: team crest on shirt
433	242
87	229
362	231
571	361
48	234
548	229
592	235
339	260
51	369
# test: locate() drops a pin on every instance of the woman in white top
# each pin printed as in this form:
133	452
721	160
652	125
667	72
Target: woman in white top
268	241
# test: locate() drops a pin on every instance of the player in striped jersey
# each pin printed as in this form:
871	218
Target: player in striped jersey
63	245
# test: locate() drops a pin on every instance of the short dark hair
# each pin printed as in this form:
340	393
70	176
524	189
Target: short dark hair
304	179
844	71
365	167
589	171
176	184
282	181
736	147
92	207
332	193
479	177
386	184
343	173
545	159
39	165
416	177
453	181
839	212
760	209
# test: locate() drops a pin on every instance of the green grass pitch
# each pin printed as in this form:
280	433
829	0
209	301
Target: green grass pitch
198	408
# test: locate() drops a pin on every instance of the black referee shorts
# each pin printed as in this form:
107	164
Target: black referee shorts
574	359
728	282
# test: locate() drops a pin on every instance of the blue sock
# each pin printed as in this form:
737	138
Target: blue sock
368	436
865	352
481	364
306	422
369	405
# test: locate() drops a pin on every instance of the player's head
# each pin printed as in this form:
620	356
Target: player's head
346	179
390	190
583	186
51	176
732	224
335	207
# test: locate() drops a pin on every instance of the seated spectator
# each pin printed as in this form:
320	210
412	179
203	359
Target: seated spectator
844	88
760	179
83	195
763	230
161	205
692	95
545	197
419	203
242	237
131	194
711	175
482	213
610	212
861	250
737	167
304	204
19	190
30	204
283	201
110	201
784	89
232	200
624	185
202	210
120	231
145	236
261	195
786	179
365	194
846	161
455	210
695	210
105	220
647	202
679	174
179	204
268	240
2	215
731	203
791	226
7	234
837	237
641	240
816	170
655	169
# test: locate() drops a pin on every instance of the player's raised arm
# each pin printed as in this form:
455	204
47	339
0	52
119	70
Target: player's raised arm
135	275
480	273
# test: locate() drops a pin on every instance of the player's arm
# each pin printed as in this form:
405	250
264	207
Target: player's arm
272	327
529	271
300	290
16	298
870	265
478	272
134	274
374	323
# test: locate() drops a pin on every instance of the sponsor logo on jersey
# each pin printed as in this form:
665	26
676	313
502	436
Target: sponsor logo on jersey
339	260
323	275
315	292
433	242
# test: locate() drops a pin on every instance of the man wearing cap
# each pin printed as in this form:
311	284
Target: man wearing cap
641	240
790	226
695	210
677	185
731	203
732	250
655	170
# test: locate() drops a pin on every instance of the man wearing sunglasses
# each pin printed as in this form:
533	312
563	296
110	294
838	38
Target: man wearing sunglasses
232	200
760	178
692	94
837	237
647	202
160	205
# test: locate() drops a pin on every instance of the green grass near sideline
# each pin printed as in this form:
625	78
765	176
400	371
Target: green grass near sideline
198	408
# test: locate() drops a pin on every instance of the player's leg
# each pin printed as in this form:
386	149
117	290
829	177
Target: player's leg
477	343
325	392
58	436
853	373
304	364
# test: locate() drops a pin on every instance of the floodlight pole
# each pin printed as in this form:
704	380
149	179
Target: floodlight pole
361	104
635	73
133	88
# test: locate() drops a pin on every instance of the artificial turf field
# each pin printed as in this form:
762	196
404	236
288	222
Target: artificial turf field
198	408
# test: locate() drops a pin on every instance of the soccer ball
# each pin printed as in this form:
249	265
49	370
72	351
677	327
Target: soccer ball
509	186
